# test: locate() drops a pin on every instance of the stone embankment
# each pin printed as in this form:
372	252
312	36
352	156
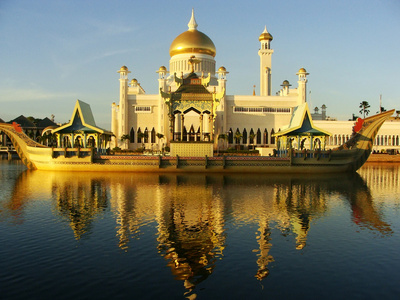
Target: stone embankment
384	158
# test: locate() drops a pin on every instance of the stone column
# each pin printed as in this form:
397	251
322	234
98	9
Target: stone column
201	128
176	127
182	125
211	125
172	129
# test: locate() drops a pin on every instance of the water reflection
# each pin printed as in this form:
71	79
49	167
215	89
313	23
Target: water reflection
79	199
191	212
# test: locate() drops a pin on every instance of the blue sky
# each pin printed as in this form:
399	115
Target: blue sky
54	52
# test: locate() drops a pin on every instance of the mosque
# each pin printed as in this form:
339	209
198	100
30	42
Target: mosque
193	105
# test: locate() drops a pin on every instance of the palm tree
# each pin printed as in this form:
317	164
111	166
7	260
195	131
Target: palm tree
364	105
238	137
252	137
146	136
159	136
125	137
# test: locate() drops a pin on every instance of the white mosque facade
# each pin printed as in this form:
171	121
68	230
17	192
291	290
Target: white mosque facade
193	104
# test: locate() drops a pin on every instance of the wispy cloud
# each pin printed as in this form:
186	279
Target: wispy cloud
66	67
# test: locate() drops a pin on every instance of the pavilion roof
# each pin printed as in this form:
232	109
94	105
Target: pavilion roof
46	122
191	88
23	121
82	120
301	124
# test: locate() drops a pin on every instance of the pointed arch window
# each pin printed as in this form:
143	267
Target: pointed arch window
132	136
139	135
252	135
244	136
265	136
146	135
272	137
258	136
238	136
230	136
153	136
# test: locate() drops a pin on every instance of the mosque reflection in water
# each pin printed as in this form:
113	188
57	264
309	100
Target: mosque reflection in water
191	211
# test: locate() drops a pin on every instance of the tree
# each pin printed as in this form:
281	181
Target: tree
146	136
142	136
238	137
252	137
125	137
364	105
159	136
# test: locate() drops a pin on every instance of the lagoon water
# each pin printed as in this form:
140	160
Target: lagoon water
152	236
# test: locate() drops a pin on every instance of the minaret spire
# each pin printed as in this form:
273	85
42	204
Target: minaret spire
192	23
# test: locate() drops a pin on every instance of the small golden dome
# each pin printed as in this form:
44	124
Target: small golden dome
124	68
222	69
285	83
192	41
302	71
134	81
162	68
265	35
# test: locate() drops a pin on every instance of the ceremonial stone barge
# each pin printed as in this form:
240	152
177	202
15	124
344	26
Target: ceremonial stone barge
290	156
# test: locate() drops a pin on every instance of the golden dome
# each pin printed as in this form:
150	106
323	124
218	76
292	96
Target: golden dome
124	68
192	41
162	68
222	69
265	35
302	71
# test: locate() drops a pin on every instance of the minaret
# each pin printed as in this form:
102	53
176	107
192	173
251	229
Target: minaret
162	109
114	123
265	54
221	117
302	85
123	101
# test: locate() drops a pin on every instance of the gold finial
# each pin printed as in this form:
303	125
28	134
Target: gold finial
254	90
192	61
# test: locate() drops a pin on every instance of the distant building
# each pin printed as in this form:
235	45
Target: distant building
34	131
